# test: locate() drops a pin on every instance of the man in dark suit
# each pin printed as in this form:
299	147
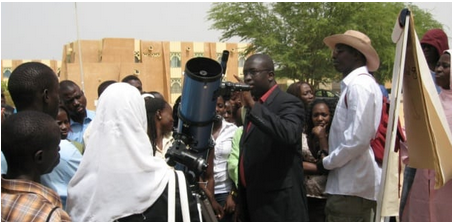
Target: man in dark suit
270	166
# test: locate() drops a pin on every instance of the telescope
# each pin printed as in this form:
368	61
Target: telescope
196	113
197	110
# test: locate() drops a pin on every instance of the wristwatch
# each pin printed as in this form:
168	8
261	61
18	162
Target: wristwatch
233	193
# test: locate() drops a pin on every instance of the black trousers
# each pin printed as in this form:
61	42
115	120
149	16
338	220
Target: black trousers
158	212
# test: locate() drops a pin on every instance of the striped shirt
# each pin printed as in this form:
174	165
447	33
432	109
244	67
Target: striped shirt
24	200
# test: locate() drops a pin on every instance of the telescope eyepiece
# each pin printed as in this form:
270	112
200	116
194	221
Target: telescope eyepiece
233	87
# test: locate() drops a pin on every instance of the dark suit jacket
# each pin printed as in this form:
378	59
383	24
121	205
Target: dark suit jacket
272	162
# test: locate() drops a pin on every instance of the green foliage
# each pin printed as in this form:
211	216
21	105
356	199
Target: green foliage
8	99
292	33
4	85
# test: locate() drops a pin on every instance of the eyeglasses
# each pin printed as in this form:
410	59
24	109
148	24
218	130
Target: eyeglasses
254	72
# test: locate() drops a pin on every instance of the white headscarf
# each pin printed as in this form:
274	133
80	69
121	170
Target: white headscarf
118	175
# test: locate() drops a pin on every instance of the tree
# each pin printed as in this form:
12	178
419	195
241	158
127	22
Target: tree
293	32
5	91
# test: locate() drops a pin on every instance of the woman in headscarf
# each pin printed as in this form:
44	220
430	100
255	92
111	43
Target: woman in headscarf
119	179
424	202
443	79
433	44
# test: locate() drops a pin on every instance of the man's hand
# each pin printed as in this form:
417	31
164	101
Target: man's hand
229	206
246	98
218	209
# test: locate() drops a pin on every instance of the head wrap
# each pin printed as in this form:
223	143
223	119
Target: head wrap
436	38
118	175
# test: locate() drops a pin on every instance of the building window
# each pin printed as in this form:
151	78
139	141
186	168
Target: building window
241	61
6	73
176	86
219	55
175	61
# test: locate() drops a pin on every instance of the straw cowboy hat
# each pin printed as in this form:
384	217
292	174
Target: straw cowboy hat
360	42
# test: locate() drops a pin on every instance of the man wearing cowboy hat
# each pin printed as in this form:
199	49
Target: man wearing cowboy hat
354	175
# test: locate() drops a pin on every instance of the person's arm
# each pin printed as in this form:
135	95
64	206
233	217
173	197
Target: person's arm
233	159
309	168
209	189
229	206
404	151
286	126
320	135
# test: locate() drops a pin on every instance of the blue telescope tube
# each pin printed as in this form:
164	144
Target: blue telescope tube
197	109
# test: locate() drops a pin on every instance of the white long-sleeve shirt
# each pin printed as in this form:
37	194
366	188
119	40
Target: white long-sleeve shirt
351	161
223	147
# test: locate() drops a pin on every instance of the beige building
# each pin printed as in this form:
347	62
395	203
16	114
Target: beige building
9	65
158	64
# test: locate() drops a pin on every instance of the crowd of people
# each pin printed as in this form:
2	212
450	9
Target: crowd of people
276	155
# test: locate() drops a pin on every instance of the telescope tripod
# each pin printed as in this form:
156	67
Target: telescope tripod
207	213
193	164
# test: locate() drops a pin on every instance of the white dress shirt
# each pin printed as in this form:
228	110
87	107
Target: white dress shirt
351	161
